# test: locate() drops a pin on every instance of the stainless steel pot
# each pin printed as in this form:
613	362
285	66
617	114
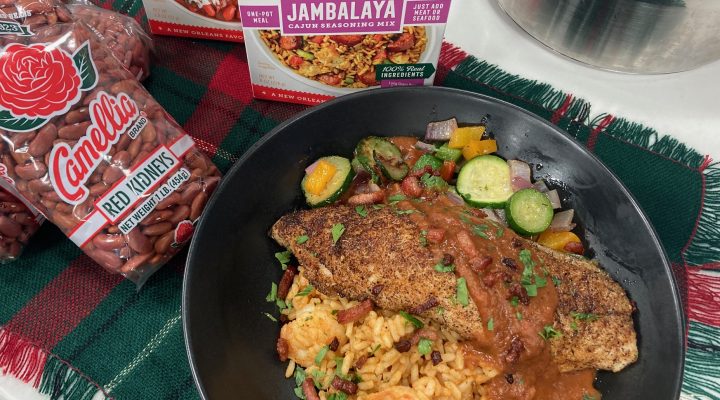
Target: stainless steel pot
637	36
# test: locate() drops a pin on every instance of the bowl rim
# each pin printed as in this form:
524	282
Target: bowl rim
677	303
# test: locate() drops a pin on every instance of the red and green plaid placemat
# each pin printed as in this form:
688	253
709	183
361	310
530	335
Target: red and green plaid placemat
73	331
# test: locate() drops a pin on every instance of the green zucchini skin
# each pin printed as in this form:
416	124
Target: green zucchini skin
529	212
484	182
337	185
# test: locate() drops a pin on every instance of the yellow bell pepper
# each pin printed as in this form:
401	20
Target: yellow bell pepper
557	240
461	136
318	179
476	148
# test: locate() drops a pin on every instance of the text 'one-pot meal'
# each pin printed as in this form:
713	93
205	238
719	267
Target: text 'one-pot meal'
435	269
346	60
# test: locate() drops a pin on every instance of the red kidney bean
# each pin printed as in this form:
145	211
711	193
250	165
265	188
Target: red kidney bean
156	216
43	142
162	245
108	242
8	227
157	229
138	242
73	132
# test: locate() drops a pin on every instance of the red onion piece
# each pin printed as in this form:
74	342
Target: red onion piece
455	198
541	186
311	168
497	215
562	221
440	130
427	147
519	174
554	198
519	183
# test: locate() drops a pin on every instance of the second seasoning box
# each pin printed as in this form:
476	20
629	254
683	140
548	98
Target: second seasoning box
310	51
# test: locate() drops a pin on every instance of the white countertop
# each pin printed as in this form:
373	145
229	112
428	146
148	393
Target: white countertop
684	105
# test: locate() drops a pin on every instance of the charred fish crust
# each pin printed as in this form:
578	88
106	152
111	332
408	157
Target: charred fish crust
594	316
379	249
380	257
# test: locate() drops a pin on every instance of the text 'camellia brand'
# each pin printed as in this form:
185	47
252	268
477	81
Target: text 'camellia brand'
71	167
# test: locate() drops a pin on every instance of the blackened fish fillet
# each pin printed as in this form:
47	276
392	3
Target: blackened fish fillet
381	251
380	257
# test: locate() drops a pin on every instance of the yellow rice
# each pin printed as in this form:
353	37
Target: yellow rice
387	373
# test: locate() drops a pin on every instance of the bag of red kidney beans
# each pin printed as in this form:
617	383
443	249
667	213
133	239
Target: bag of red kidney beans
18	221
92	150
121	34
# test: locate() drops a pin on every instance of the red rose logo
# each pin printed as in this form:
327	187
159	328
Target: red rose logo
37	81
183	232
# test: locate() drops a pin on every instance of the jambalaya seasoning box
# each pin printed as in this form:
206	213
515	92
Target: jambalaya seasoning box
310	51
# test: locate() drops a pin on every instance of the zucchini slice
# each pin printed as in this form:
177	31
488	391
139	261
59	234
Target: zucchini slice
529	212
484	181
380	156
336	185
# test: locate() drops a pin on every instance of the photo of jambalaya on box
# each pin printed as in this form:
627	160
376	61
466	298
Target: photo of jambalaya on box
308	53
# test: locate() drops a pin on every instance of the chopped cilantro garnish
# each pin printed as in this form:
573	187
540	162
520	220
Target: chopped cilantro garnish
573	325
423	238
273	319
405	212
284	258
378	206
301	239
337	231
518	315
549	332
318	375
434	183
416	322
461	293
305	291
272	296
338	367
479	230
396	197
465	219
584	316
299	375
514	301
499	232
526	279
491	324
361	210
299	392
338	396
531	289
540	281
588	397
439	267
440	310
556	280
425	346
321	354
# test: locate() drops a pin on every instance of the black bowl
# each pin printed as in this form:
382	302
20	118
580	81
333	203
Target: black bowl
231	343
